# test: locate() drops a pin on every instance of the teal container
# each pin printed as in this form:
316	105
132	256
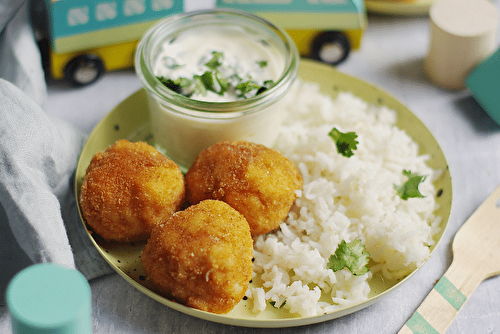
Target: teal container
48	298
484	85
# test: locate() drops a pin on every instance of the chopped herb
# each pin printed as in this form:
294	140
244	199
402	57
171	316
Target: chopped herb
352	255
176	85
246	87
216	60
223	83
266	85
261	90
273	303
199	87
262	63
345	142
209	80
409	189
213	80
243	88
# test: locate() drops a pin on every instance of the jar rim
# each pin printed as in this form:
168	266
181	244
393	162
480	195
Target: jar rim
211	109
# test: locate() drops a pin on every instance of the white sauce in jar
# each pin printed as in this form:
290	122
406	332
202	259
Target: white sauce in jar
245	57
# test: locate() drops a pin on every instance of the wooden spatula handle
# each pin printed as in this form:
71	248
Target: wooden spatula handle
445	300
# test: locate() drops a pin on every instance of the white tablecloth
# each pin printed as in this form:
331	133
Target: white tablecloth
391	57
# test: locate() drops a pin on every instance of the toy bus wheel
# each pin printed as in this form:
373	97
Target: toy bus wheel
84	70
330	47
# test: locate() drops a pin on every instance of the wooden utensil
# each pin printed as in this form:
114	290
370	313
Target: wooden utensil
476	256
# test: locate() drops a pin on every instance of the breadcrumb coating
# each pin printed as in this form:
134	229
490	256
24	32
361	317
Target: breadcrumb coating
257	181
128	189
201	257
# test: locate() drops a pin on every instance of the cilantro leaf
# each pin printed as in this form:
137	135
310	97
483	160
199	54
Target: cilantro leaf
246	87
262	63
273	303
265	86
213	82
409	189
345	142
215	61
352	255
177	85
199	87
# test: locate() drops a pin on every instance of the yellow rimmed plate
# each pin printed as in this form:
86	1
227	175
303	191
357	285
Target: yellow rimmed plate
130	120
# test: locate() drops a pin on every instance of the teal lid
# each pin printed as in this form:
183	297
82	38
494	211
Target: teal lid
48	298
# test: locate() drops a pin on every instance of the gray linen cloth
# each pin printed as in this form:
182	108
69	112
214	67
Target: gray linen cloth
39	220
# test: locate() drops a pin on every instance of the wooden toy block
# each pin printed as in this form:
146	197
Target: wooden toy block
462	34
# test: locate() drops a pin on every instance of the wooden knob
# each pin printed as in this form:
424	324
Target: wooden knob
462	34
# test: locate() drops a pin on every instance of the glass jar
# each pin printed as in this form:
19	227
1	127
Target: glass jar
183	126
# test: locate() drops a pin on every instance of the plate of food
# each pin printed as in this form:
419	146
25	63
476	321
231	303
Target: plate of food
375	200
399	7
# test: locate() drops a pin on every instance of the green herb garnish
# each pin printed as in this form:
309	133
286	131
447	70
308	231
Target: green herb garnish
199	86
345	142
246	87
352	256
409	189
262	63
216	60
177	85
273	303
212	80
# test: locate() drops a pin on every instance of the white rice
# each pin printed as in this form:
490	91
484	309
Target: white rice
343	199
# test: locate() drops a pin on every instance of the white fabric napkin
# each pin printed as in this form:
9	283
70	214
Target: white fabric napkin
38	156
39	221
19	55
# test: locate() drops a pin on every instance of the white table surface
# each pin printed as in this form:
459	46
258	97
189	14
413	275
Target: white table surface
391	57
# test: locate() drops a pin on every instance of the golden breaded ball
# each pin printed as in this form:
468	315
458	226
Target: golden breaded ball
128	189
201	257
257	181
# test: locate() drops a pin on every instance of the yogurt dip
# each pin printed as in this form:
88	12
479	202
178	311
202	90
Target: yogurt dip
218	64
214	75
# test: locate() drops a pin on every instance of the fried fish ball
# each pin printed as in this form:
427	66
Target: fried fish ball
257	181
201	257
129	188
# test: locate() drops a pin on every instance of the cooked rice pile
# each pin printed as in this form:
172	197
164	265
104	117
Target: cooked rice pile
343	199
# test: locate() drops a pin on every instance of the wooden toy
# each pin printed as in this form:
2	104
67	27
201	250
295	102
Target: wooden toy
462	34
322	30
89	37
484	85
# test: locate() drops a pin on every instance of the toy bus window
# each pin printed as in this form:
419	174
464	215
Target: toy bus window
105	11
134	7
78	16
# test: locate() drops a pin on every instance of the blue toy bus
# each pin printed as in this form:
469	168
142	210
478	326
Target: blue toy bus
90	37
325	30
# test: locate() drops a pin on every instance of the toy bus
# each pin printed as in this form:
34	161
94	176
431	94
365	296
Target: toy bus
325	30
90	37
